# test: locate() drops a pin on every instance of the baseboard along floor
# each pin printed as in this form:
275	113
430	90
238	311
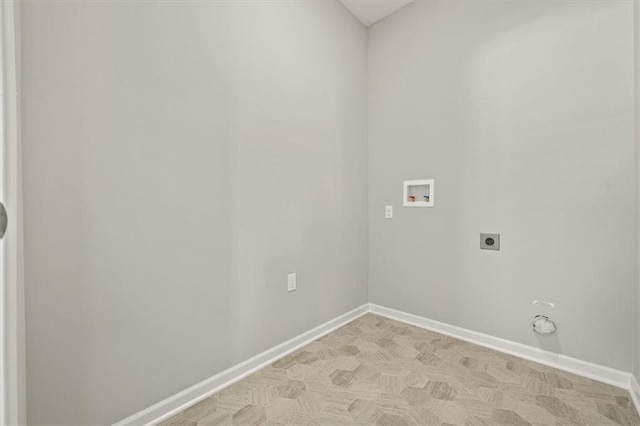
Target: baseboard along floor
378	370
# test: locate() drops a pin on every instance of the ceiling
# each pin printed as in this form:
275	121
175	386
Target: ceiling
371	11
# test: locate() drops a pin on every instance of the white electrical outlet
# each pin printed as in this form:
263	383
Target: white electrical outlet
291	282
388	212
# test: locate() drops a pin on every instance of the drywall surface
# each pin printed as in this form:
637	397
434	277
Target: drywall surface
180	158
636	295
523	113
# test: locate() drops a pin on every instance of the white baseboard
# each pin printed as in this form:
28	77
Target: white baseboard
601	373
635	393
180	401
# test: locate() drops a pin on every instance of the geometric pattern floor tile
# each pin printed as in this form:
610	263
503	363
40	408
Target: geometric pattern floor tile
379	371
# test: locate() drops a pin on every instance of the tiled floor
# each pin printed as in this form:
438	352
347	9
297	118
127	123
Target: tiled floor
379	371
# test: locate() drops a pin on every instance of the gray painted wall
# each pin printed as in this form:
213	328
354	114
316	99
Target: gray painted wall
636	295
523	112
180	158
